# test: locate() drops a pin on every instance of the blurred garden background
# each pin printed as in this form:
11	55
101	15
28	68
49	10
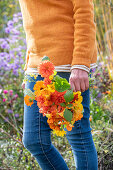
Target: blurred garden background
12	59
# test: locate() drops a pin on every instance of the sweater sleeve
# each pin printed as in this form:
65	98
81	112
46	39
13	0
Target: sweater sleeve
84	32
82	67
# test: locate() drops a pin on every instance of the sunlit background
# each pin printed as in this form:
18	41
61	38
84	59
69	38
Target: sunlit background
12	59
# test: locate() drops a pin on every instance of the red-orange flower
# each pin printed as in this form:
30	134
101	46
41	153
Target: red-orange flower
48	103
59	97
53	108
44	109
46	68
52	97
40	101
47	81
60	108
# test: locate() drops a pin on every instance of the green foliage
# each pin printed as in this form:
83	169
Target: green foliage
104	30
15	156
68	115
69	105
69	96
61	84
62	104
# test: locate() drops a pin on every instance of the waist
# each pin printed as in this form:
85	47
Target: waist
61	68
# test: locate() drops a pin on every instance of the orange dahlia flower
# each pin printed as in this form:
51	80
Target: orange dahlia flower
46	68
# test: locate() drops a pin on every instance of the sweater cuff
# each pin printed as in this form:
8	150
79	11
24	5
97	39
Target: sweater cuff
83	67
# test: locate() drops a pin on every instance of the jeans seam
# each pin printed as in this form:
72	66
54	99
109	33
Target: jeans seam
41	143
84	147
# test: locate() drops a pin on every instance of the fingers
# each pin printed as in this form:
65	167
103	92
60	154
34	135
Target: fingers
79	80
72	85
86	83
76	82
82	85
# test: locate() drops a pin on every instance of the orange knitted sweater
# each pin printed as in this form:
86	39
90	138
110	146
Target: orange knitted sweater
63	30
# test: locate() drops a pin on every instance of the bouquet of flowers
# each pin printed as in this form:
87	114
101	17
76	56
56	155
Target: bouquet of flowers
55	99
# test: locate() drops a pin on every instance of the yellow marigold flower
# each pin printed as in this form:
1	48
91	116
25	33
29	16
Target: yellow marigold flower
51	87
62	133
80	98
80	107
78	92
59	133
38	87
46	93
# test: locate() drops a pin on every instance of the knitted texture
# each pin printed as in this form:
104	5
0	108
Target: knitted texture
63	30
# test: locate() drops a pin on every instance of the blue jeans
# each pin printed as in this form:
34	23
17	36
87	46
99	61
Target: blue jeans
37	136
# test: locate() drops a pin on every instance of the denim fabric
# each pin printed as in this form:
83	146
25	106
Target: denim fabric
37	136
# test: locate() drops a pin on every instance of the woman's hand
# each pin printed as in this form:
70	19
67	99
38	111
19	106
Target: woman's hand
79	80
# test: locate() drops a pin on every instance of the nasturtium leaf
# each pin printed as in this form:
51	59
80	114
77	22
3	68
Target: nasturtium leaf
63	104
45	58
69	105
57	78
68	115
61	84
69	95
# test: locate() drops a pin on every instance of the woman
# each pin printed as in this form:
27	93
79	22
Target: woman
65	31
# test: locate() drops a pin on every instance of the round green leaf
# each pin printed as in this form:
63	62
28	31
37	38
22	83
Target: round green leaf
69	95
68	115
